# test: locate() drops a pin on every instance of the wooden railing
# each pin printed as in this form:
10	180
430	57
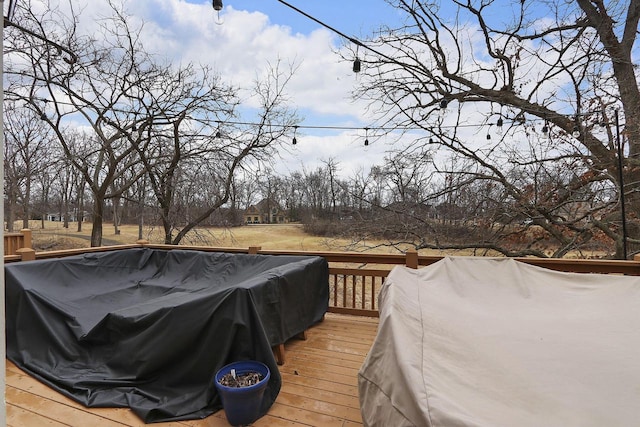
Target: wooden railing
13	242
355	278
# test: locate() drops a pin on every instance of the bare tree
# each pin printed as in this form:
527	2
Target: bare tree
121	115
91	89
294	195
27	154
557	71
201	154
175	124
317	192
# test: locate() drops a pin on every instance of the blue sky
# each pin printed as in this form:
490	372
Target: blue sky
355	18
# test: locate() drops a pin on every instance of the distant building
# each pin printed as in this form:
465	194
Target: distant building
71	217
266	211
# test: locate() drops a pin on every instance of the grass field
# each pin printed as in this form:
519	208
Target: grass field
268	236
281	237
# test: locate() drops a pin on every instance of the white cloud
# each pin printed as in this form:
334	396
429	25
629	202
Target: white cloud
242	44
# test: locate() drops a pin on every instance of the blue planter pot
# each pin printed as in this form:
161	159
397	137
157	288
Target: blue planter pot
242	404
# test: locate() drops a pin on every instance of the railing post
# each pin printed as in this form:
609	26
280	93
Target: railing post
27	238
411	258
253	250
26	254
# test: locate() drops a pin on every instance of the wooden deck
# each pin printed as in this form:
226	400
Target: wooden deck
319	386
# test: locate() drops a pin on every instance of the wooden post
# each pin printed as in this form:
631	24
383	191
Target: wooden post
253	250
27	254
278	352
27	239
411	258
142	242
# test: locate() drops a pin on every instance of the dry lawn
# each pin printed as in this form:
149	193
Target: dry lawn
269	236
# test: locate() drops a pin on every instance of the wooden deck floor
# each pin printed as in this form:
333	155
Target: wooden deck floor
319	386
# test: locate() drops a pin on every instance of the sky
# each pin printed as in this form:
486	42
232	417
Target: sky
247	35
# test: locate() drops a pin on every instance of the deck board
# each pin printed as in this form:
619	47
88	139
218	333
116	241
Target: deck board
319	387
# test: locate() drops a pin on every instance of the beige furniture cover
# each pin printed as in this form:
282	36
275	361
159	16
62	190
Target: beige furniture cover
495	342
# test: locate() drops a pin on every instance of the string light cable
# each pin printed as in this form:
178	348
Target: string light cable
71	57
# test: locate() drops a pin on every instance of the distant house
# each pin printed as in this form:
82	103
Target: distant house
53	217
266	211
71	217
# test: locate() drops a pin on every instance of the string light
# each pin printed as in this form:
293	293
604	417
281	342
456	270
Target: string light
43	116
71	57
499	124
545	130
443	108
357	65
366	136
377	128
576	128
217	6
295	140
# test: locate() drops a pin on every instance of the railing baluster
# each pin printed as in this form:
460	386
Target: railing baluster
373	292
335	289
353	291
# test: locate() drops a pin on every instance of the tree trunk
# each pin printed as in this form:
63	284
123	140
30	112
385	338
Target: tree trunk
116	218
166	224
11	211
26	208
65	209
140	225
96	232
80	205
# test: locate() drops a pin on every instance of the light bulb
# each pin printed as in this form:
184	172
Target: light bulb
545	133
576	132
357	65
